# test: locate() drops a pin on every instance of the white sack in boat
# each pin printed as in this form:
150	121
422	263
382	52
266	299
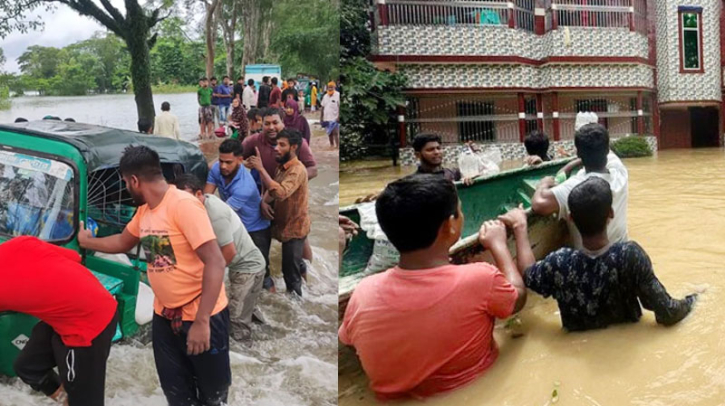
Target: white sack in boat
384	253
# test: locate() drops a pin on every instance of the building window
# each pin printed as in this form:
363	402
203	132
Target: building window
690	23
530	110
474	122
595	106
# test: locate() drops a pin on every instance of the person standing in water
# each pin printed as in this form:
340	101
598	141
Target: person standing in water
244	260
438	317
190	327
77	320
330	115
287	192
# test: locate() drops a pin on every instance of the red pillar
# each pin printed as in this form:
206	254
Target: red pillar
401	127
555	114
539	112
656	118
554	19
631	15
539	20
383	10
522	117
512	20
640	114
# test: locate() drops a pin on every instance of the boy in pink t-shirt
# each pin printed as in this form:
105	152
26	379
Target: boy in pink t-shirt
426	326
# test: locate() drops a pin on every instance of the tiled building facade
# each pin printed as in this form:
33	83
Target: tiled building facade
491	71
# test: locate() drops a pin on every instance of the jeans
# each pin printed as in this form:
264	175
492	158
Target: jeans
193	380
223	113
293	266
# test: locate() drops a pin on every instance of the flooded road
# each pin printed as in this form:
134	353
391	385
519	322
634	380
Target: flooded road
675	215
292	360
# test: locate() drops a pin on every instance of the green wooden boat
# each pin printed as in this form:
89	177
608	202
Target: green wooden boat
486	199
54	174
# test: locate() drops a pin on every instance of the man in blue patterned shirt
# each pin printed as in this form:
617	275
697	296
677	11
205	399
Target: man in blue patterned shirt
600	284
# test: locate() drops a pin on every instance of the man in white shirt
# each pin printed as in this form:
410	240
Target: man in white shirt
249	100
167	124
330	114
592	144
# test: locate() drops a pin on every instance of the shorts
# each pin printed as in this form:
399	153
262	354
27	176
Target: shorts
206	114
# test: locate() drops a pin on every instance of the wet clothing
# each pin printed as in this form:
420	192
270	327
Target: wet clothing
263	240
293	266
618	179
266	149
263	97
296	121
193	380
50	283
439	322
244	291
82	370
450	174
170	234
594	290
289	190
242	195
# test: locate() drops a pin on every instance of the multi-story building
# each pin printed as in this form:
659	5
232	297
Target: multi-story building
491	71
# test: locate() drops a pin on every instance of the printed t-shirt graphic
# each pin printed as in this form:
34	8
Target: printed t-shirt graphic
170	233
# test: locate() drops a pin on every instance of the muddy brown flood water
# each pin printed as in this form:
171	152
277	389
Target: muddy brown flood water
675	215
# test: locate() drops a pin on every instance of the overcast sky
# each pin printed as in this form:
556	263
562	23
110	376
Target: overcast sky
63	26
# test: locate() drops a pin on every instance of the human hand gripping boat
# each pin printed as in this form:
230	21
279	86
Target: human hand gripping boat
488	197
54	175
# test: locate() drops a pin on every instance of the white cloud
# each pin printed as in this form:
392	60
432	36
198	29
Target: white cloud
63	26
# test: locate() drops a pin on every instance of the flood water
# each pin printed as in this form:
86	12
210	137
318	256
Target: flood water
675	215
292	360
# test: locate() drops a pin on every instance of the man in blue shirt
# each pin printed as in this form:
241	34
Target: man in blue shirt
238	189
223	96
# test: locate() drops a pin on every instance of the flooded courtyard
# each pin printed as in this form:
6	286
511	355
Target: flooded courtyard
674	201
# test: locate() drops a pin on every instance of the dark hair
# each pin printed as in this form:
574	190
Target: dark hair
253	113
225	77
21	120
231	146
188	181
70	120
421	139
537	143
274	81
265	79
144	125
592	145
250	82
165	106
291	79
293	136
140	161
272	111
213	78
204	78
411	210
589	205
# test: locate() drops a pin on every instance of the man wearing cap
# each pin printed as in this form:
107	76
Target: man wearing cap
330	114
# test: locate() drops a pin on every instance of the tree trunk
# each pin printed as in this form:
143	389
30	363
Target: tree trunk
251	16
210	37
137	41
230	43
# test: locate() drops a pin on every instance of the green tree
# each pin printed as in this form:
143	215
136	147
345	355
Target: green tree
134	28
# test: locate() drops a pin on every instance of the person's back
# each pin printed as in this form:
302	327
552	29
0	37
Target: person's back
603	283
248	256
263	98
50	283
425	326
167	124
427	331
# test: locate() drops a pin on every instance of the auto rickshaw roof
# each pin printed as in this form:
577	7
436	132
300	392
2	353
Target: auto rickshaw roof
102	147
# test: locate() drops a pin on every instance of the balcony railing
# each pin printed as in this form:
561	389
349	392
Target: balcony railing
519	14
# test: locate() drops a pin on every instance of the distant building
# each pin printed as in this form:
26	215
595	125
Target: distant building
491	71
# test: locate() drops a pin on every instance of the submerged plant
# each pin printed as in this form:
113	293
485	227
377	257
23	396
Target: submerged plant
631	147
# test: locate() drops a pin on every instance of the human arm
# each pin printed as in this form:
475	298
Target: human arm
209	188
156	125
305	156
492	236
517	221
114	244
348	226
544	201
266	206
275	190
177	129
198	339
570	166
229	251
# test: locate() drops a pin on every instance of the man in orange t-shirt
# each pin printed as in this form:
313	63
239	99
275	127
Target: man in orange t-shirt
190	327
426	326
